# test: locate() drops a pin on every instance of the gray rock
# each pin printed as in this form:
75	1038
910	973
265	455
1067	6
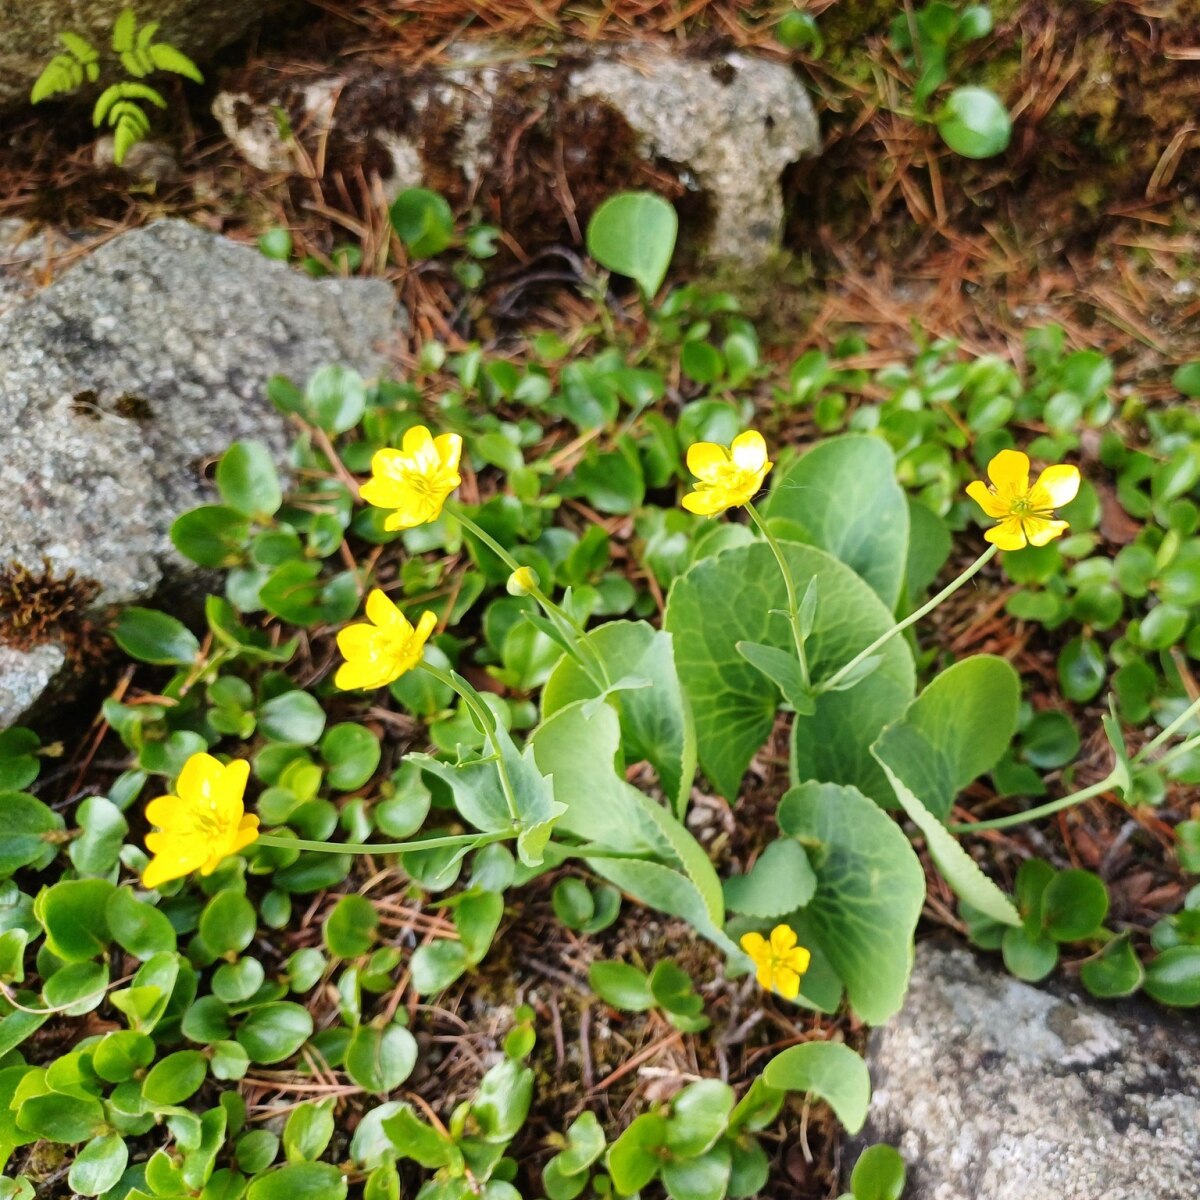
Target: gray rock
29	31
995	1090
736	127
722	128
120	380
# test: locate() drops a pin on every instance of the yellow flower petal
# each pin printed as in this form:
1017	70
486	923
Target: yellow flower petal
703	458
418	444
787	983
706	503
360	675
383	614
991	504
783	939
381	491
425	626
1040	531
1060	483
1009	470
749	451
163	811
200	778
449	450
1008	535
755	945
355	641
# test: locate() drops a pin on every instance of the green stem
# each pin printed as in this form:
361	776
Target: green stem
574	633
487	721
793	602
1044	810
1185	747
1174	727
913	617
437	843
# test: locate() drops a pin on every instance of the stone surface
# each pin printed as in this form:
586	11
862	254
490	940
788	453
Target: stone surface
543	142
120	380
995	1090
29	31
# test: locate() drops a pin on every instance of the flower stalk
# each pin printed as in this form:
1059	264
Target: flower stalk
799	636
843	672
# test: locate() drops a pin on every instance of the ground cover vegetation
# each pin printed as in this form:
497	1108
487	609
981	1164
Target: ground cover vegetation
583	722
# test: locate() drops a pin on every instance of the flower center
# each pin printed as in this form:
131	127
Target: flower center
730	475
209	822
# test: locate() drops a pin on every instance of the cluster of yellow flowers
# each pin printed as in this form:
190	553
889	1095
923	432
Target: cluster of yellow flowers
205	820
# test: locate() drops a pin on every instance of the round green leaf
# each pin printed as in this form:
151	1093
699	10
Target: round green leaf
380	1060
1081	669
1029	956
621	985
247	480
633	233
300	1181
294	717
423	221
437	965
352	752
878	1174
350	928
23	840
1115	972
137	927
308	1131
99	1165
1174	977
275	1031
228	923
211	536
974	123
831	1072
335	398
154	637
1074	905
173	1079
73	915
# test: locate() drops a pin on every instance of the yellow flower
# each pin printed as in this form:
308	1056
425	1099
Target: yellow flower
202	824
727	478
1025	513
415	480
779	962
381	651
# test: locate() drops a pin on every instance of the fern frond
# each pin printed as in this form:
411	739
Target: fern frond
130	125
167	58
111	96
79	47
146	35
137	63
61	74
65	72
123	30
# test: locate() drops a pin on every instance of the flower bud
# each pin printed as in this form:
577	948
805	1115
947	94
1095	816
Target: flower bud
522	581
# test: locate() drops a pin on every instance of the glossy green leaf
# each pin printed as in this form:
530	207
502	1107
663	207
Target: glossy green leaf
842	496
737	597
870	889
955	730
633	233
656	721
831	1072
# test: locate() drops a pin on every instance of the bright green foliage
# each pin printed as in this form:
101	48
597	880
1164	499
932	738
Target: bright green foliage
633	233
582	756
121	106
